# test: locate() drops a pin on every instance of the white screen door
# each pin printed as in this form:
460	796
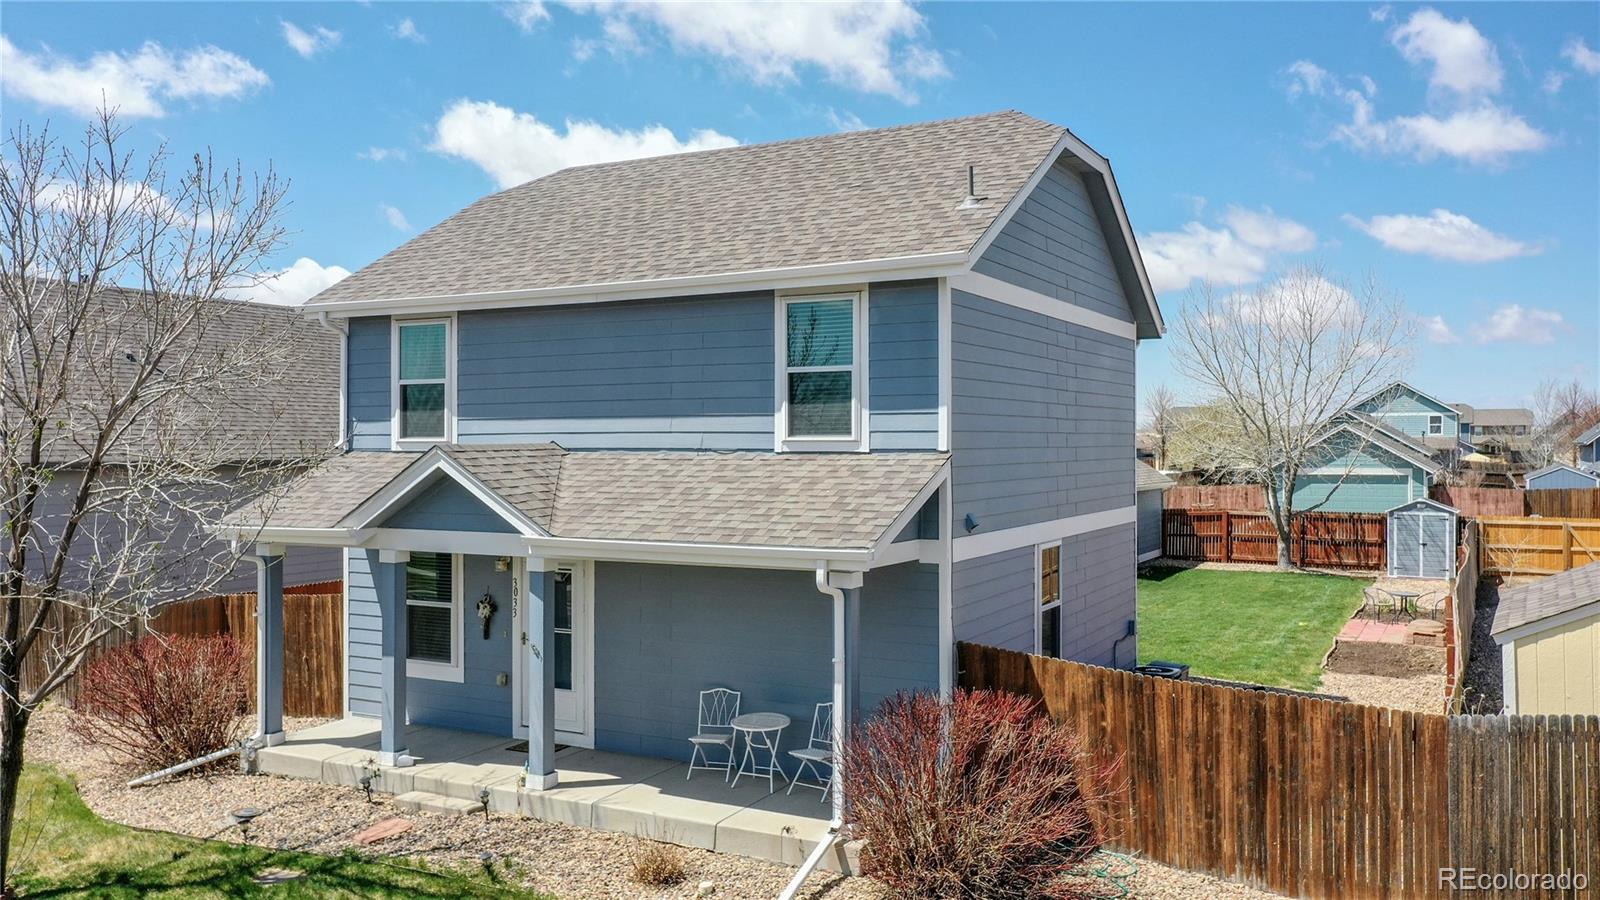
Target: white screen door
572	649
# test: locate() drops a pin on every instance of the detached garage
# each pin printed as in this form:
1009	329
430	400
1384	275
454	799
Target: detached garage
1559	477
1150	486
1549	636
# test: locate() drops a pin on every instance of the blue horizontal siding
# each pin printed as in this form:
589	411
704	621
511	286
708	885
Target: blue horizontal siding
903	365
445	505
367	383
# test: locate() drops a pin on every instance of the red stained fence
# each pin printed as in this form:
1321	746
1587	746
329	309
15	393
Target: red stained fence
1242	497
1333	540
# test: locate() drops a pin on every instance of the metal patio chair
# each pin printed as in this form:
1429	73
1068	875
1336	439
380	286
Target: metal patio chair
718	708
818	751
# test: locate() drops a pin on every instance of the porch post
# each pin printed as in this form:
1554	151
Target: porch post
389	580
269	644
538	642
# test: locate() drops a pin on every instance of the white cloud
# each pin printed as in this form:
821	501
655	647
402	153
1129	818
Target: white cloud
1436	331
406	30
514	147
310	43
1238	252
395	218
137	84
1441	234
1553	82
1380	14
294	285
1582	58
382	154
527	13
1300	295
1464	61
1515	322
845	121
876	47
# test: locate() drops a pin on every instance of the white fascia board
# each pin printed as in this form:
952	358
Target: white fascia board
931	265
991	288
749	556
303	537
907	515
482	543
1539	626
973	546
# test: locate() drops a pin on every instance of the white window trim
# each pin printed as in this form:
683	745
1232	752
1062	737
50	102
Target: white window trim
1040	608
1435	418
860	406
456	669
449	436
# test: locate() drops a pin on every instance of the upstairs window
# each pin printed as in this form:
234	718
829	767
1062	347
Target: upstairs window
820	372
433	616
1050	600
422	394
1436	424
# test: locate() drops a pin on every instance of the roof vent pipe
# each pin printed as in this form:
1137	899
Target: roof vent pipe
973	201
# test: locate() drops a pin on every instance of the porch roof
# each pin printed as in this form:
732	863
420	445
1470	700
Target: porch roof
828	501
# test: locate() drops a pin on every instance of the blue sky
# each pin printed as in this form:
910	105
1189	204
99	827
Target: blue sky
1452	151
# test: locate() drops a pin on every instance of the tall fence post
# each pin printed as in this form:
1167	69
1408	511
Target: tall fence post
1227	536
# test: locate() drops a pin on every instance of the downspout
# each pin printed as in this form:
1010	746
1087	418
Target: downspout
829	838
342	328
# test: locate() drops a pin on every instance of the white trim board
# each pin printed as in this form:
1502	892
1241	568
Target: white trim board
973	546
991	288
1146	557
1540	626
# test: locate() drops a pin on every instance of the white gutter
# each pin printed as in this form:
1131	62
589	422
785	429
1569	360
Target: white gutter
342	327
183	766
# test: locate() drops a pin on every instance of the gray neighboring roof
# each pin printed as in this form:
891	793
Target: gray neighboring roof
1557	467
1148	478
864	195
843	501
1593	434
1384	436
1547	597
1493	418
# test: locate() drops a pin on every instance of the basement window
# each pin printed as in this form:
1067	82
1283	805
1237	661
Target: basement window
1049	584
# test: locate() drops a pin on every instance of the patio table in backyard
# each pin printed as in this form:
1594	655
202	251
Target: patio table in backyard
761	734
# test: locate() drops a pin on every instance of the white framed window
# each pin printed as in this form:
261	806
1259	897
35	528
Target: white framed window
424	379
433	616
1047	581
821	386
1436	424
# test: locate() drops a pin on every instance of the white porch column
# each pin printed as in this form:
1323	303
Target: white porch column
390	582
538	642
269	644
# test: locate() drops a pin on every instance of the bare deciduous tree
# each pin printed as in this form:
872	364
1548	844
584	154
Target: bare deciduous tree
118	447
1160	420
1562	410
1276	365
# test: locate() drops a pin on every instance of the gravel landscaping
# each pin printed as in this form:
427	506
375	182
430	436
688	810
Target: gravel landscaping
567	861
1419	693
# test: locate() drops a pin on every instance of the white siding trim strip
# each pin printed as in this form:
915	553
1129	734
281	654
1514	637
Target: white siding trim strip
973	546
1146	557
991	288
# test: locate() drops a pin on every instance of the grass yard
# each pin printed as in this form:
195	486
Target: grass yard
1267	628
62	849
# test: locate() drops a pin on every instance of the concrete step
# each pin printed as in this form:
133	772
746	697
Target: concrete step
422	801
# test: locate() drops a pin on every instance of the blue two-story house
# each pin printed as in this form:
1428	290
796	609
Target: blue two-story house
790	418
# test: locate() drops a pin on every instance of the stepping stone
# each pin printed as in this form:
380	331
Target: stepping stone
423	801
386	828
1425	632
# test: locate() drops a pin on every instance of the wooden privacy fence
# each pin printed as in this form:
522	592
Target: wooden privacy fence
1318	798
1565	503
1537	546
313	635
1335	540
1562	503
1241	497
1463	607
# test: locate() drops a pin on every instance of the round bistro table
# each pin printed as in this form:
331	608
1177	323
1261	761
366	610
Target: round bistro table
761	731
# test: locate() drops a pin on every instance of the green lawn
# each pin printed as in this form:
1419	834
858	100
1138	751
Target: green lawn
61	849
1262	627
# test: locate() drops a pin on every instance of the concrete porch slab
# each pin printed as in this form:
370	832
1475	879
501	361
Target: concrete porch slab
667	807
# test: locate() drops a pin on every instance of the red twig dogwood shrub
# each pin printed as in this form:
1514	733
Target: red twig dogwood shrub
1007	808
162	701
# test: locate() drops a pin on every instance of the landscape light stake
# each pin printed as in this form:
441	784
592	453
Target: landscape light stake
483	797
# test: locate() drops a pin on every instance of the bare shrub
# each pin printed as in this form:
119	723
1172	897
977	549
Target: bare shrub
1007	809
658	864
163	700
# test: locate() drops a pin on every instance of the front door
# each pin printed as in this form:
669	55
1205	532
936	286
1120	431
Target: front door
573	648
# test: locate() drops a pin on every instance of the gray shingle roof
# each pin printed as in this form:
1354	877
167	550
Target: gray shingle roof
880	194
836	501
1148	478
1547	597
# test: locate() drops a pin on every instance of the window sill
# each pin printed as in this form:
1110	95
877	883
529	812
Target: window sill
435	671
823	445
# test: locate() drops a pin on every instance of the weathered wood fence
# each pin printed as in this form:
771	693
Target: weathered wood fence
313	635
1463	612
1318	798
1562	503
1529	546
1566	503
1335	540
1238	497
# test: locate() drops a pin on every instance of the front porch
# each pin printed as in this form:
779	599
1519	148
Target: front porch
642	796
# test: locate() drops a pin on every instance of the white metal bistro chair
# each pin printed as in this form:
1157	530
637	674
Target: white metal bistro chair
718	708
817	752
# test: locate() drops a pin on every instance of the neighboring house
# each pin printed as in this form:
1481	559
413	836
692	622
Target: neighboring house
1549	636
1588	449
1151	486
1365	465
1559	475
1410	412
788	418
1477	423
288	418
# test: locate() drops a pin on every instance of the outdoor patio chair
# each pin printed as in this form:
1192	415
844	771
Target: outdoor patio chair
1431	605
1378	601
718	708
817	752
